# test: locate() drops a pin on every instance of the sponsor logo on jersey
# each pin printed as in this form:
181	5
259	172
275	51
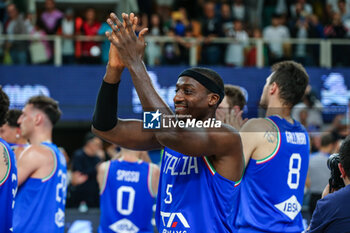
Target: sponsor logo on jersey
173	220
290	207
124	226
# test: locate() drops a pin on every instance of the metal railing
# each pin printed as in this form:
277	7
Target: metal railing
325	45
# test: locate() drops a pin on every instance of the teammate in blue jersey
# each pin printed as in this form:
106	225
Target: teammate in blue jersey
11	132
42	171
8	173
128	188
276	150
201	166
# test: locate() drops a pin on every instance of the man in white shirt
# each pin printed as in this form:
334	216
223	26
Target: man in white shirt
275	34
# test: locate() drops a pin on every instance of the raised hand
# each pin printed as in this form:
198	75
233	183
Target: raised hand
130	47
234	118
113	58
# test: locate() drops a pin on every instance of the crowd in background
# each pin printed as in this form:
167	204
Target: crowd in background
272	20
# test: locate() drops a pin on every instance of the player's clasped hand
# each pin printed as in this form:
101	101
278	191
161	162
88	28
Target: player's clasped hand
123	37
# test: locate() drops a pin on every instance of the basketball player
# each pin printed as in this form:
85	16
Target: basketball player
8	173
201	167
276	150
128	188
42	171
230	109
11	132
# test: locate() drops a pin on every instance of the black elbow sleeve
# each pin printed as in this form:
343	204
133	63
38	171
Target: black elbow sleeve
105	113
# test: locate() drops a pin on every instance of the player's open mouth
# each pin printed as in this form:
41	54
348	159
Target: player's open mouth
180	108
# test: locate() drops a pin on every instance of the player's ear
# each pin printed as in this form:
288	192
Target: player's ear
273	88
38	118
342	171
213	99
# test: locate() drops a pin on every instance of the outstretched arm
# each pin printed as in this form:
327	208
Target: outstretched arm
194	142
126	133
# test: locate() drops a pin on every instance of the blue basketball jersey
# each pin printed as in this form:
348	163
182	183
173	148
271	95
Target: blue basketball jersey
8	189
40	203
126	200
193	197
272	189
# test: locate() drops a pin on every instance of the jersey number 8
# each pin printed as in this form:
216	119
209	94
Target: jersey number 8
294	172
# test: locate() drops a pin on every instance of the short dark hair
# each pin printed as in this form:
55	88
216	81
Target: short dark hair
344	155
4	106
48	105
212	75
292	80
12	117
234	96
88	137
327	139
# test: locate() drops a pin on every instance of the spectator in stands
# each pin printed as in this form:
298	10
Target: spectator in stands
226	19
164	8
90	49
193	8
275	34
171	50
185	46
267	9
105	44
314	110
332	6
30	22
153	49
16	25
252	50
341	123
40	48
332	212
235	51
318	173
239	11
343	11
180	21
124	6
68	32
211	53
300	8
226	22
50	19
337	30
345	16
299	27
315	30
84	189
